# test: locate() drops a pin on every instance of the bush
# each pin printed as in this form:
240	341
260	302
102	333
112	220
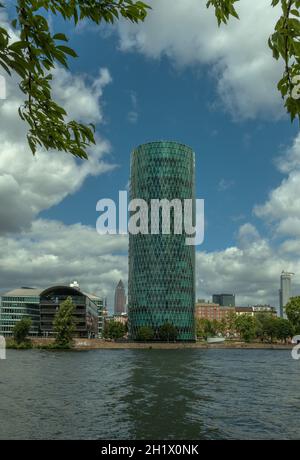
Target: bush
168	332
145	334
21	330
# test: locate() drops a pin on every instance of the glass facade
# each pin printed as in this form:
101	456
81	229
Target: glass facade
85	314
161	284
14	308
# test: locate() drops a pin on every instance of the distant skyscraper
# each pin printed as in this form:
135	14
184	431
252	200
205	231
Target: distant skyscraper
161	284
284	291
120	299
224	300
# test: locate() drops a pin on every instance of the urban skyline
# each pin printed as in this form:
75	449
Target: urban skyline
48	203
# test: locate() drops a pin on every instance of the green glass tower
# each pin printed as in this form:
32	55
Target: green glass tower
161	284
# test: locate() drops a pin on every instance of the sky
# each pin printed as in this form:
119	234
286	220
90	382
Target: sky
177	76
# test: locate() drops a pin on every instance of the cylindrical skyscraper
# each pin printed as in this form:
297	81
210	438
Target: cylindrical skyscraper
161	280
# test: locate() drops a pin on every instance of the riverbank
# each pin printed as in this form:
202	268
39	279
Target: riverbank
99	344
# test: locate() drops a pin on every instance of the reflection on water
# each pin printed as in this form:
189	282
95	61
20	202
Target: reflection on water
150	394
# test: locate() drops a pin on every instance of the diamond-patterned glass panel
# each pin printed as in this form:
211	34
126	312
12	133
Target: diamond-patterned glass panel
161	285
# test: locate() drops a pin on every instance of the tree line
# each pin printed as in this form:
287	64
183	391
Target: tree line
262	326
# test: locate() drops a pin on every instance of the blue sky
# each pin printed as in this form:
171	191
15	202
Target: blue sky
175	77
234	158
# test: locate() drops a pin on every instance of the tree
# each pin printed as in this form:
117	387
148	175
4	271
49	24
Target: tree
284	329
246	326
37	52
230	322
267	326
168	332
145	334
21	330
63	323
203	328
292	310
113	330
284	44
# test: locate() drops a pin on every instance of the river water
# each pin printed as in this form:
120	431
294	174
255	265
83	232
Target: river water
150	394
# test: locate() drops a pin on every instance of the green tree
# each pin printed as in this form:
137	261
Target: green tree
21	330
246	326
145	334
284	329
230	322
203	328
284	44
114	330
168	332
63	323
38	51
292	310
267	326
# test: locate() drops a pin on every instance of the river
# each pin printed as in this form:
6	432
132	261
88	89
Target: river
150	394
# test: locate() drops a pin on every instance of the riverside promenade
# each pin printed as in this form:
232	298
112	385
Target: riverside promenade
100	344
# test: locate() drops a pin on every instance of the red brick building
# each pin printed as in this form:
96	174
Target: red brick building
212	311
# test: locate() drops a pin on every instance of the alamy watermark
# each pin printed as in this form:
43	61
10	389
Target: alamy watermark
2	87
295	351
2	347
165	216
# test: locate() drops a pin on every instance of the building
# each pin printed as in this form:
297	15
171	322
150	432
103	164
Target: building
85	315
264	309
212	311
244	311
284	291
161	284
120	299
225	300
121	318
102	312
19	304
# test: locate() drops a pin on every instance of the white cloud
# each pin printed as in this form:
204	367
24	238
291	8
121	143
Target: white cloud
31	184
51	253
283	204
133	114
251	270
225	184
241	62
252	267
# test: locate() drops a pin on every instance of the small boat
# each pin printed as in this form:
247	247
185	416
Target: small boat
215	339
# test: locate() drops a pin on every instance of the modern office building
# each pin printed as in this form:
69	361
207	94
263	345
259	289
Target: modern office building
19	304
284	291
161	280
101	306
225	300
120	299
85	315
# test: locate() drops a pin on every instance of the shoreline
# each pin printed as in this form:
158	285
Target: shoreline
100	344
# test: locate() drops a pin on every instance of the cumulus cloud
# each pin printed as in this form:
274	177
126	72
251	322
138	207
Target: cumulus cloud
53	253
237	54
251	270
31	184
252	267
283	204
